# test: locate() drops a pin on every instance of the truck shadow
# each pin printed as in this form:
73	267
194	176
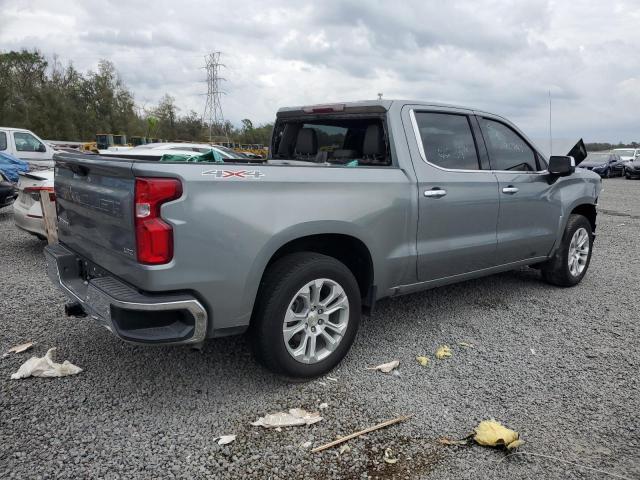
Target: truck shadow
162	369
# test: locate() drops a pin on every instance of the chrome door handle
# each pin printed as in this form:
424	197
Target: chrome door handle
435	193
510	190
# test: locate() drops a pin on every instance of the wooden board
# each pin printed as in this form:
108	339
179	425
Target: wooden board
50	217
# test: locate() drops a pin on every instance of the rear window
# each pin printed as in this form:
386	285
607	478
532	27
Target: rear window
3	141
354	141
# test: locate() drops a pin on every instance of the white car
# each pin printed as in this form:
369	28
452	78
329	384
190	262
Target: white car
154	151
627	154
27	146
27	212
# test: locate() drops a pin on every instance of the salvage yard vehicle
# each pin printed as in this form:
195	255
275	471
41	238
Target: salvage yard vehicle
605	164
295	248
27	210
155	151
8	191
632	168
627	153
27	146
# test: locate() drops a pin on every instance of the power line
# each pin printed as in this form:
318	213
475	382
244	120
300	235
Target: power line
213	107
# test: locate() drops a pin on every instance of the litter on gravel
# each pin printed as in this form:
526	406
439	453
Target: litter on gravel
386	367
344	449
389	456
490	433
322	406
448	441
23	347
45	367
422	360
465	344
294	417
443	352
341	440
225	439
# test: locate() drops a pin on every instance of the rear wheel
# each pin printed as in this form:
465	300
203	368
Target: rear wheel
306	315
571	261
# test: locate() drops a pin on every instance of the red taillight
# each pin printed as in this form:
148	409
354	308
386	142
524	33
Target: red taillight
35	192
154	237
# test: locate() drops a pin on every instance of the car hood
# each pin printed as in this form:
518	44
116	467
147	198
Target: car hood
592	163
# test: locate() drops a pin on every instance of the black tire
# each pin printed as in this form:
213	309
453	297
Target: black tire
556	270
280	284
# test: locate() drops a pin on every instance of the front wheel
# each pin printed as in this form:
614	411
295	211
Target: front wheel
570	263
306	316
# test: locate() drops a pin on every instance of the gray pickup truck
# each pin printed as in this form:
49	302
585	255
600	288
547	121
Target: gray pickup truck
356	202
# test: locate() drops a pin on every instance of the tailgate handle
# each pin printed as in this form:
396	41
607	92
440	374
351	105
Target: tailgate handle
79	170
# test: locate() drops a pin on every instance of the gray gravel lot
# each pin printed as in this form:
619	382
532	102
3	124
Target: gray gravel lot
561	366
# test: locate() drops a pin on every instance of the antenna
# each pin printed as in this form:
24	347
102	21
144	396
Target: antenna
380	96
550	141
213	108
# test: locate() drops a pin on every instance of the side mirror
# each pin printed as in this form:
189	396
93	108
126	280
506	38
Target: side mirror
42	148
561	166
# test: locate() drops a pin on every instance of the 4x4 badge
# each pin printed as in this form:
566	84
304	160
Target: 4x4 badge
243	174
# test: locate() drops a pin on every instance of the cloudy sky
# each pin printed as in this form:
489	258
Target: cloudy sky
499	55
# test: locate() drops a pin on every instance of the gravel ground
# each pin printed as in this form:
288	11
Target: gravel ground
561	366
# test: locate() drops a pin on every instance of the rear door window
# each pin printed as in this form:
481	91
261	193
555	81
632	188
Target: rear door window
507	150
447	140
3	141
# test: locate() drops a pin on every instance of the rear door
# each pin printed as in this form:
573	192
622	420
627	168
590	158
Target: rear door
458	194
529	210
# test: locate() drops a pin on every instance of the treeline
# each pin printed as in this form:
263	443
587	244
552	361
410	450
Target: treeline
598	147
60	103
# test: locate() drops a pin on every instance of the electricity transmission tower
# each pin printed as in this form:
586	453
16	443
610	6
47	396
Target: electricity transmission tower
213	108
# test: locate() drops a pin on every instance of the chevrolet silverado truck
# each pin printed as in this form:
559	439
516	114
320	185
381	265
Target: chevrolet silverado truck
355	202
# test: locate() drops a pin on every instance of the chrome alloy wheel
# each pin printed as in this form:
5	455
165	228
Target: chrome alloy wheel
578	252
316	321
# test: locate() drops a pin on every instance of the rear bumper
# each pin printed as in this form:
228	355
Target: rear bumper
33	224
133	316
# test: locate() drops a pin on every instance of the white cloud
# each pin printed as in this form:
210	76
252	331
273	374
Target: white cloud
499	55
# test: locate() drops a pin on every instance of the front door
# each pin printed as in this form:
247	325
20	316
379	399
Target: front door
28	147
529	206
458	198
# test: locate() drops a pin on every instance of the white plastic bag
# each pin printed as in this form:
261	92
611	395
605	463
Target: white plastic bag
45	367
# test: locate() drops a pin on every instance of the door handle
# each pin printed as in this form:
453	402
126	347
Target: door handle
435	193
510	190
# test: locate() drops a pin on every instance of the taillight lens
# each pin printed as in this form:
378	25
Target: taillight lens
35	193
154	237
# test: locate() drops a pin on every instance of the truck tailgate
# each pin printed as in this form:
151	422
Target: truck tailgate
95	208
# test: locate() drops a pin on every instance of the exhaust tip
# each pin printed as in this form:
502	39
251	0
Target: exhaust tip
74	309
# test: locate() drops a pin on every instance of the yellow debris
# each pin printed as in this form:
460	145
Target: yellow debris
443	352
515	444
422	360
493	434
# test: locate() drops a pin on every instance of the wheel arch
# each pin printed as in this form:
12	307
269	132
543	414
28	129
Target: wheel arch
587	210
347	249
337	240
